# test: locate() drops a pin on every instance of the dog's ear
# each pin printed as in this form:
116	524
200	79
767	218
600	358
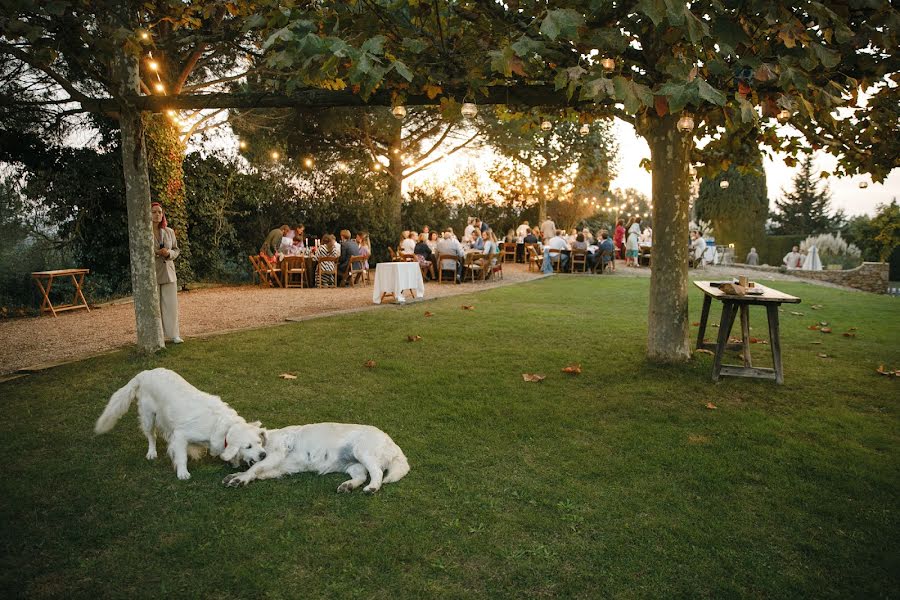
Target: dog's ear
257	424
262	435
230	450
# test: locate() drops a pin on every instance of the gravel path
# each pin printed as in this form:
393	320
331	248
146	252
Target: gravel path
29	343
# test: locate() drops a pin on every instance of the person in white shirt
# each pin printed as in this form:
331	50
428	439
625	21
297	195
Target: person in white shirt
522	231
449	245
698	247
408	245
548	228
556	242
470	227
792	260
647	237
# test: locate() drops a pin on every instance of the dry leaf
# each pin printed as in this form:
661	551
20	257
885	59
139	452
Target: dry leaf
888	372
697	324
822	355
429	314
468	307
704	351
573	369
799	314
715	325
533	377
711	406
734	340
287	376
817	343
825	330
369	364
754	340
813	327
823	323
852	328
849	334
816	306
413	338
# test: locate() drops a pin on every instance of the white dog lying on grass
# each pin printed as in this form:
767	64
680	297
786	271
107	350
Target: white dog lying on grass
358	450
187	418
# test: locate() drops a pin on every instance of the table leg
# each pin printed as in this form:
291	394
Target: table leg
725	323
745	334
46	305
79	293
704	315
775	341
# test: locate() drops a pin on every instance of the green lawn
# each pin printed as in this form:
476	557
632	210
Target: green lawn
618	482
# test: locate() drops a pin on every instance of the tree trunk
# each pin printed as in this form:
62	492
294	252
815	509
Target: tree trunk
137	200
667	323
165	162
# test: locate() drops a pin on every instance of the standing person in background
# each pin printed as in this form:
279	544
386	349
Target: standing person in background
273	240
631	243
548	228
165	254
365	245
619	238
752	257
511	237
523	230
793	259
470	227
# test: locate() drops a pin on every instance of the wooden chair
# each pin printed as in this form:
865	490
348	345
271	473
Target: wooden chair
555	257
327	278
509	252
578	261
441	259
474	265
258	272
645	255
494	267
395	257
407	257
357	271
293	268
609	256
268	272
532	257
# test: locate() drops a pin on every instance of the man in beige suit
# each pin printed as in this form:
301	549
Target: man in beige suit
166	252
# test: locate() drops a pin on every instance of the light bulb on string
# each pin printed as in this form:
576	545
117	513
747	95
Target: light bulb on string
546	126
153	65
724	184
399	111
308	162
469	110
242	144
685	123
608	63
863	185
275	155
585	129
784	115
159	87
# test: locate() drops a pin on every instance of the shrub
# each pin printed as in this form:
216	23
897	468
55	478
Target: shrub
833	250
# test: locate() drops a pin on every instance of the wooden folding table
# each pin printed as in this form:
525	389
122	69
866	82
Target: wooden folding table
44	281
771	299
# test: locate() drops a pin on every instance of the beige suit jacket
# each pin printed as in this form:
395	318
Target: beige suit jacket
165	267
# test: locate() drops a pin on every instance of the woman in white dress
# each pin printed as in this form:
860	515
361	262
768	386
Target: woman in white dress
631	244
166	251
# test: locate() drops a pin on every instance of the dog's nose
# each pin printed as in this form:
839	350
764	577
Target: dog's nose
262	455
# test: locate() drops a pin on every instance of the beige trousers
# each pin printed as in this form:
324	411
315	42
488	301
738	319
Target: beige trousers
168	308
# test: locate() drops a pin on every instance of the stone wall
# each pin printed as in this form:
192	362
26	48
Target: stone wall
868	277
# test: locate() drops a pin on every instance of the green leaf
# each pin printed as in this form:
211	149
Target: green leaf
655	9
632	95
563	21
402	70
680	95
729	34
527	47
415	46
697	29
598	88
710	94
501	61
373	45
675	10
748	114
560	81
829	58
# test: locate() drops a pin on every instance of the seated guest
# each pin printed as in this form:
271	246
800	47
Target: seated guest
573	233
578	243
698	247
477	242
449	245
365	245
300	233
511	237
588	236
557	242
480	225
423	253
532	237
408	245
328	248
490	247
470	226
606	250
273	240
349	247
647	237
432	241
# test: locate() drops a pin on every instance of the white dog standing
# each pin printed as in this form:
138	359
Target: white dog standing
358	450
186	418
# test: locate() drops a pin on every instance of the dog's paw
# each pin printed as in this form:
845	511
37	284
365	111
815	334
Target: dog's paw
370	490
235	480
151	454
345	488
184	475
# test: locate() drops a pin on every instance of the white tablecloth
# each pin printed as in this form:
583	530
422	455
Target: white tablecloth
394	277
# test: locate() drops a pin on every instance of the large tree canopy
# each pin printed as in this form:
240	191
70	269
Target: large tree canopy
652	63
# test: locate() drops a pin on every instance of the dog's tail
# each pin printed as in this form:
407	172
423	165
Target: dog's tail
397	468
118	405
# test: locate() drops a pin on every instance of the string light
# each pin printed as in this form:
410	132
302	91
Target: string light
399	111
863	185
242	145
546	126
585	129
275	155
159	87
724	184
308	162
145	35
153	65
376	167
685	123
608	64
469	110
784	115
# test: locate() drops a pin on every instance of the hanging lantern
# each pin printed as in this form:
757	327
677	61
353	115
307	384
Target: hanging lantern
724	184
685	123
608	64
469	110
784	115
863	185
399	111
585	129
546	126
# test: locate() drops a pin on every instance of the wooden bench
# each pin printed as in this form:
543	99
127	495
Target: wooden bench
44	281
771	299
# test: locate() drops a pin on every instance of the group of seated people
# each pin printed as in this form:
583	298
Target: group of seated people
427	245
291	241
599	251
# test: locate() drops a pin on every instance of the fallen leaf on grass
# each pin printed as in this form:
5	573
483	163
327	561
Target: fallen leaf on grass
711	406
754	340
852	328
849	334
714	325
823	323
573	369
822	355
825	330
888	372
734	340
817	343
704	351
413	338
816	306
533	377
697	324
429	314
287	376
369	364
799	314
813	327
468	307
